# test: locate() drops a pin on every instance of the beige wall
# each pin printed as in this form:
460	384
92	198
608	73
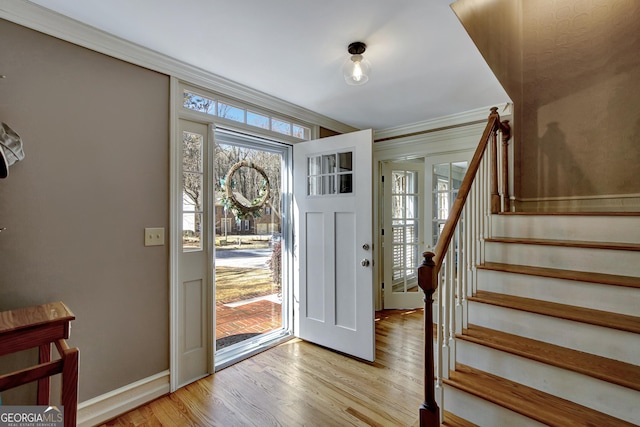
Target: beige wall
578	106
96	172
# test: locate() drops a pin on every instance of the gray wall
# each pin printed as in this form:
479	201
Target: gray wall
96	172
581	93
572	69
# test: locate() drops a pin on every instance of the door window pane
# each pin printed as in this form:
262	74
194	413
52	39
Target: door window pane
192	152
346	183
344	162
313	165
329	184
405	211
328	163
192	195
314	187
330	174
191	231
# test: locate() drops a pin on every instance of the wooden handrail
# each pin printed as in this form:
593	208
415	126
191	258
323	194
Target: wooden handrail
433	261
456	210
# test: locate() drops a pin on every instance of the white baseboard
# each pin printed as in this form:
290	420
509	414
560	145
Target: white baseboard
102	408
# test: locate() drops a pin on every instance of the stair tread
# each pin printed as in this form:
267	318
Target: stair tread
579	314
535	404
567	243
453	420
581	276
560	213
602	368
605	213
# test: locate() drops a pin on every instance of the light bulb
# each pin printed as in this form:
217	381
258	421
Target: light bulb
356	70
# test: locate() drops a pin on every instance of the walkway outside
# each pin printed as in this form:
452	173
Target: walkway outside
247	300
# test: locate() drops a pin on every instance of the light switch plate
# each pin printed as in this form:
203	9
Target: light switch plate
154	236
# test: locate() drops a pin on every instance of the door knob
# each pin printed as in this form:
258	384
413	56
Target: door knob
365	246
365	262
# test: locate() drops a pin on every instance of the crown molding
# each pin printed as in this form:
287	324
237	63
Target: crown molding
505	110
38	18
447	140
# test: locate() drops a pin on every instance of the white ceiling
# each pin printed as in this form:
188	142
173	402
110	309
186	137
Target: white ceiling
424	65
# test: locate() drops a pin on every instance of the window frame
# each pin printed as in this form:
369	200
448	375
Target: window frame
310	131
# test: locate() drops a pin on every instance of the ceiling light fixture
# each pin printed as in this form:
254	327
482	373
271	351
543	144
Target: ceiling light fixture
356	69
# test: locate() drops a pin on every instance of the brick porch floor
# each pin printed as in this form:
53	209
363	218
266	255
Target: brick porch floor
259	316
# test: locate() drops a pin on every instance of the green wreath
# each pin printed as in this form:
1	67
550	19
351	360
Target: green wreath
240	210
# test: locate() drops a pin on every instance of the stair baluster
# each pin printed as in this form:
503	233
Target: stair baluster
481	181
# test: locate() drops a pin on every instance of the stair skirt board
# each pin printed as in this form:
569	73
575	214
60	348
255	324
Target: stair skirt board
598	340
482	412
617	299
609	261
584	390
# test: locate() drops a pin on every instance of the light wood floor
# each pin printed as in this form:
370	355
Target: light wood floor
298	383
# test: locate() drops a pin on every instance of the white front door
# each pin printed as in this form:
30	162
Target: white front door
333	243
402	223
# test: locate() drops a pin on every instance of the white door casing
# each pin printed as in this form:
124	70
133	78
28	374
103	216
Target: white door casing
333	243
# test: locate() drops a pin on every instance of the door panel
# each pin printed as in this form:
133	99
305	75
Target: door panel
333	240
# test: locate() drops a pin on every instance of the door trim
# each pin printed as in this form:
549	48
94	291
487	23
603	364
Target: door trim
175	239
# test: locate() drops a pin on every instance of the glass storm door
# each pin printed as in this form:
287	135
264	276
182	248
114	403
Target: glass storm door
250	300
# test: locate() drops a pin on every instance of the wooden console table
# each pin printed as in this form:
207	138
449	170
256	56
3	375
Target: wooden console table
40	326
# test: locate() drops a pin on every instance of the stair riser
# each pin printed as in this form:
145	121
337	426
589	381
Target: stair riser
606	342
624	263
616	299
482	412
569	227
600	395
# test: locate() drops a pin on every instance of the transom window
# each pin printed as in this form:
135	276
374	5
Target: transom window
220	108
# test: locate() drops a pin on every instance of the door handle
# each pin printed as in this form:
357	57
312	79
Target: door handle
364	262
365	246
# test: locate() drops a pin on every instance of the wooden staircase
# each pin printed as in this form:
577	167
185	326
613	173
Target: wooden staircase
551	330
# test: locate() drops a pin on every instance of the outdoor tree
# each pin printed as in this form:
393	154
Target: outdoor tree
192	175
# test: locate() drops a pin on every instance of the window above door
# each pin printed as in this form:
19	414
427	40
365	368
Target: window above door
238	112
